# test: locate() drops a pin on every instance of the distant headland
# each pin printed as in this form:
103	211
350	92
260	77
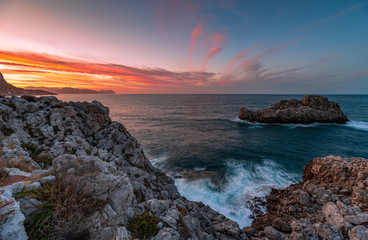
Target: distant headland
70	90
8	89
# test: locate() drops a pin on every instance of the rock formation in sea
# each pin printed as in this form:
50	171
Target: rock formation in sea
330	203
69	172
8	89
312	108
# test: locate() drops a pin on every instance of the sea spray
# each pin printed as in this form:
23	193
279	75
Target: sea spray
242	182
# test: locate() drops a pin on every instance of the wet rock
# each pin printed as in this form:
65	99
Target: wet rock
281	225
273	234
327	204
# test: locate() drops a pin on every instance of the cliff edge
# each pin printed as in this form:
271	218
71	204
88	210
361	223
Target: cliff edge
69	172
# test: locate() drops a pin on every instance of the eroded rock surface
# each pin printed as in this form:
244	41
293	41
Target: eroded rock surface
310	109
49	139
330	203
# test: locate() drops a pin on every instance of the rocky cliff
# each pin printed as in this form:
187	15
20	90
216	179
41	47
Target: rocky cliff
310	109
330	203
69	172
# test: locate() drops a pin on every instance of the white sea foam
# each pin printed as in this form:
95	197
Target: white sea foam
199	169
244	181
159	162
360	125
249	124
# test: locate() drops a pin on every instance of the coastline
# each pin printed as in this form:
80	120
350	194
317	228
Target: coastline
82	131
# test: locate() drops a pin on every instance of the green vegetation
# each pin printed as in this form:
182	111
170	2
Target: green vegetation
143	226
65	204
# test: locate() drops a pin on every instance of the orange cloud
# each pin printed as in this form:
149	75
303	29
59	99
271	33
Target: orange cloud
33	69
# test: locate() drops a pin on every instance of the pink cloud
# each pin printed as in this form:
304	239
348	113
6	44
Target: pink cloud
361	74
210	55
198	30
249	68
237	58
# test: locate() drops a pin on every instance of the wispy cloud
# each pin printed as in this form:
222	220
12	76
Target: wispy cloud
212	53
248	69
237	58
54	71
198	30
331	18
361	74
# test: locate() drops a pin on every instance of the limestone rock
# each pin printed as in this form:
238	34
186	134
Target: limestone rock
79	142
310	109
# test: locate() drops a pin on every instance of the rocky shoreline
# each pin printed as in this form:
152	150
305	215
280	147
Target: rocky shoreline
311	109
104	187
44	142
330	203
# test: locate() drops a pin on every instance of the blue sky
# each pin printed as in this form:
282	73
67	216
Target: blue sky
196	46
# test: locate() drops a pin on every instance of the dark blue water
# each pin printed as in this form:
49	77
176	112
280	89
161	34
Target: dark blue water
224	160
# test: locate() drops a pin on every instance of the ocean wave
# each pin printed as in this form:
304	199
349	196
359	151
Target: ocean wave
249	124
159	162
359	125
243	181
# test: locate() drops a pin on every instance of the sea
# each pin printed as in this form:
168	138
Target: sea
222	161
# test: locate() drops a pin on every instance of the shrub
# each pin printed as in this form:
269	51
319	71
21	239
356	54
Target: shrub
65	204
143	226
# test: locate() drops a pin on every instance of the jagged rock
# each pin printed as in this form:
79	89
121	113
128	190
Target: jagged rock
281	225
273	234
358	233
327	204
327	231
11	226
78	141
310	109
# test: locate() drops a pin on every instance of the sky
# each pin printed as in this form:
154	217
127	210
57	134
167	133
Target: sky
185	46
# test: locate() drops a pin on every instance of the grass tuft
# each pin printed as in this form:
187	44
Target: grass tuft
143	226
65	204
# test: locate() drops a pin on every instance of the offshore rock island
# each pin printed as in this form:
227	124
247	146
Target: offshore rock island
311	109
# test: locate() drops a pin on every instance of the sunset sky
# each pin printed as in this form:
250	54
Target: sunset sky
184	46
